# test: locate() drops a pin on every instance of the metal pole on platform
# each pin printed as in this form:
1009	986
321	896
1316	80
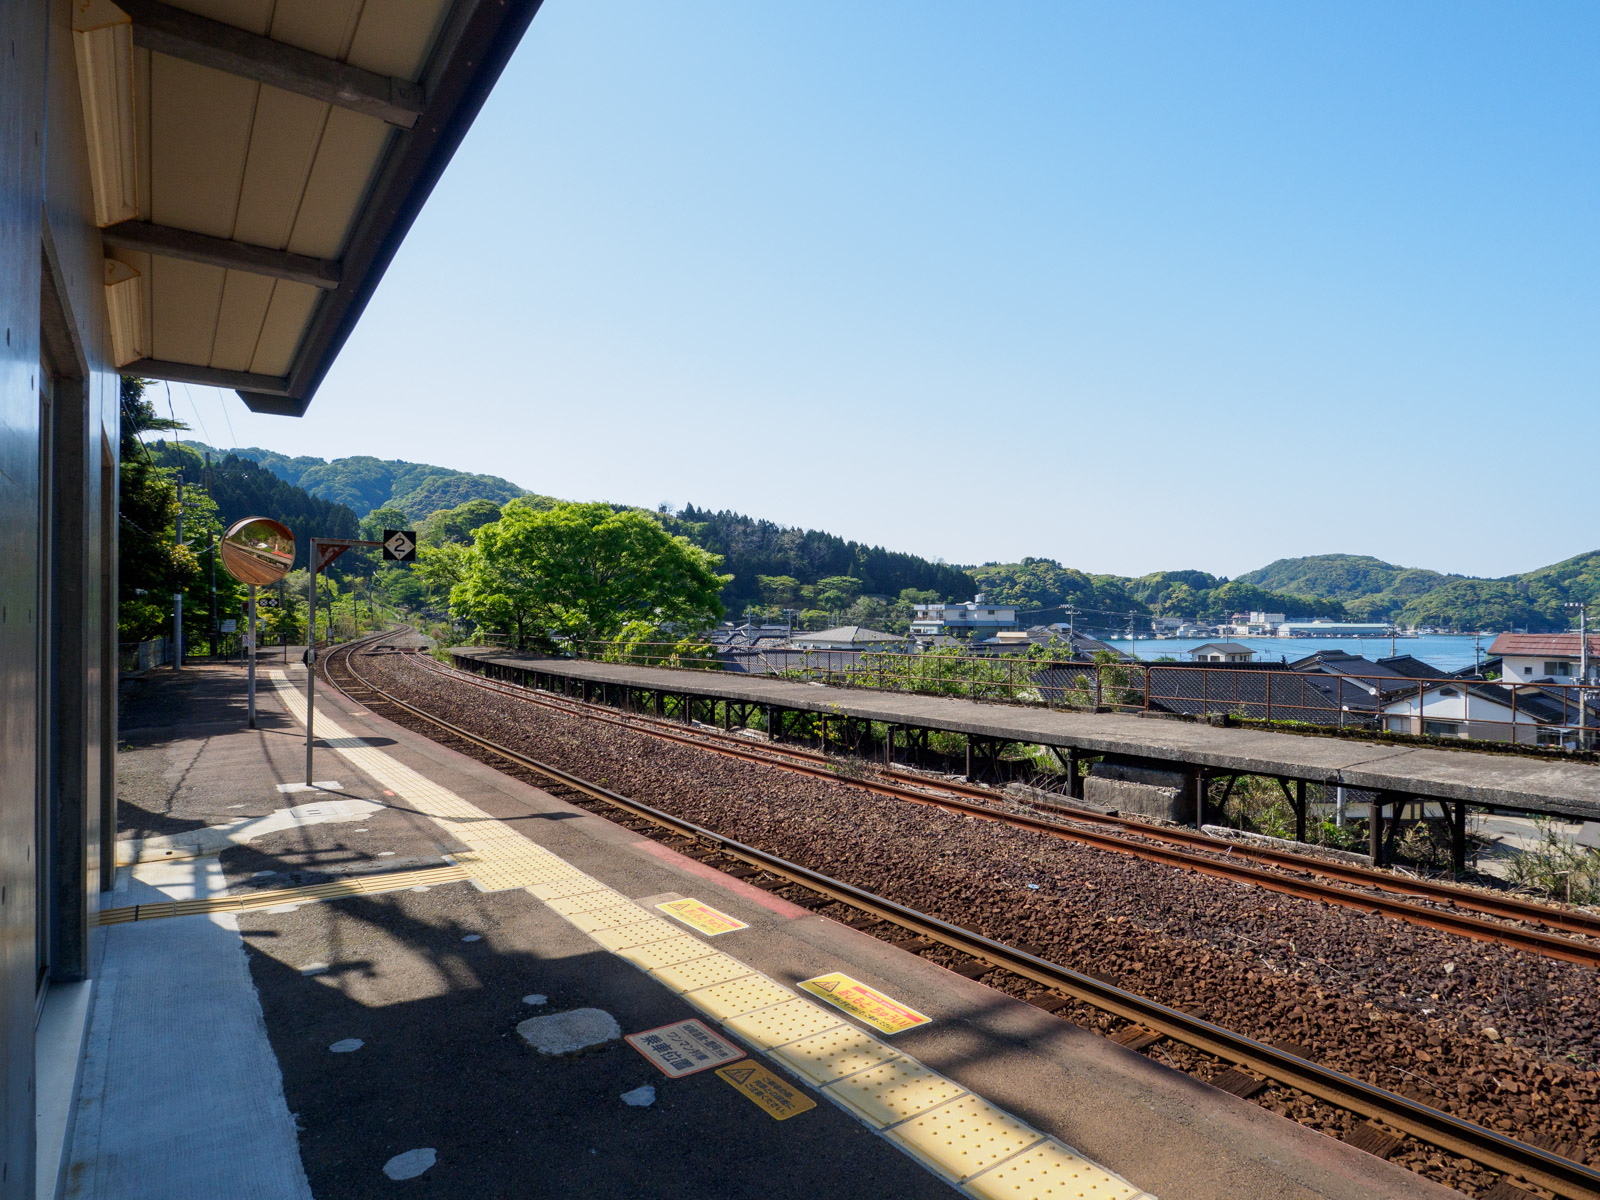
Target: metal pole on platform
250	649
311	655
177	597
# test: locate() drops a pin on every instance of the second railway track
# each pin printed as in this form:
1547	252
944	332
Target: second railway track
1487	917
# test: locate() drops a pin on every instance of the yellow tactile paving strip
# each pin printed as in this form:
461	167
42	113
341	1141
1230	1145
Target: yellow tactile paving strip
361	885
955	1133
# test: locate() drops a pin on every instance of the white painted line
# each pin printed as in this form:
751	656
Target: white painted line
347	1045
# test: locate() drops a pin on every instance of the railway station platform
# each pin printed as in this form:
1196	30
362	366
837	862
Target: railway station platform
427	977
1394	773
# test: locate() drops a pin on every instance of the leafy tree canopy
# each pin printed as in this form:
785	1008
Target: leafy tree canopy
582	571
456	524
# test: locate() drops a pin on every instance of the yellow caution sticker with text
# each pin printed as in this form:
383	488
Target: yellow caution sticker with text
702	917
780	1100
865	1003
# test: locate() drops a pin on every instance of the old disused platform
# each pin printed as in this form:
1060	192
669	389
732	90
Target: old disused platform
371	1037
1527	784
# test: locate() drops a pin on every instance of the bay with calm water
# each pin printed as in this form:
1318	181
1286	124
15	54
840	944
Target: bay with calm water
1447	651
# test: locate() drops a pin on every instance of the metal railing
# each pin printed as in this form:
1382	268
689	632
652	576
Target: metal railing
1541	714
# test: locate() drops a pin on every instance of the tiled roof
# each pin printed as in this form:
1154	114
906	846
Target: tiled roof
1534	644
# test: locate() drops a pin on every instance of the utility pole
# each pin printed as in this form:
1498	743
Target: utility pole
1583	670
177	597
214	537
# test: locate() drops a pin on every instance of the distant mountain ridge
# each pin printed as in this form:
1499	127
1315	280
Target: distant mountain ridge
1371	589
1349	586
363	483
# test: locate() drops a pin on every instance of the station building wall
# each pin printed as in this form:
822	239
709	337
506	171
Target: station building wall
59	401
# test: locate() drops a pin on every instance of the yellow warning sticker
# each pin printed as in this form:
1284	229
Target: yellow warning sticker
702	917
777	1098
867	1004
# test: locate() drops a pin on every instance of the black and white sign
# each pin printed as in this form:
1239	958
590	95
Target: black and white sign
400	545
267	602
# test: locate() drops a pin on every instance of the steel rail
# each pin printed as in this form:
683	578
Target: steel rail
1484	1146
1462	924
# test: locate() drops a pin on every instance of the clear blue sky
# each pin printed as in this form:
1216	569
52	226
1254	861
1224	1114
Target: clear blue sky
1130	285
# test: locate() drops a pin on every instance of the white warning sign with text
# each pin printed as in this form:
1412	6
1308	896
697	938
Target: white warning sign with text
684	1048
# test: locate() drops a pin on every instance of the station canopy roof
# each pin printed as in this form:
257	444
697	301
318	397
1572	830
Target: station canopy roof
256	164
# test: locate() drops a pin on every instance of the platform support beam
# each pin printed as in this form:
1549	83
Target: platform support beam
1458	836
1299	810
1202	783
1375	827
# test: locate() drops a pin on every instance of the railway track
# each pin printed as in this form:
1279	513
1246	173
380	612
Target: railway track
1454	910
1148	1020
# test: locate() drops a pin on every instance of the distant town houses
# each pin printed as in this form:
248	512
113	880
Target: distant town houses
963	619
847	637
1532	688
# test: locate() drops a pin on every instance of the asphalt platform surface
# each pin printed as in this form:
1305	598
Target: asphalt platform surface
433	984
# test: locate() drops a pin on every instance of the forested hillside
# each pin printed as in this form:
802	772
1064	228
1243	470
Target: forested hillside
1042	587
363	484
753	550
825	577
1372	589
242	488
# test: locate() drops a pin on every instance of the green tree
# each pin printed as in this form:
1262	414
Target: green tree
456	524
379	519
583	571
151	566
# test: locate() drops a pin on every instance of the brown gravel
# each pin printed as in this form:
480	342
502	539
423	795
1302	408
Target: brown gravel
1506	1039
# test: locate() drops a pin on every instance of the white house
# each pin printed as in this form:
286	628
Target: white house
963	618
1452	708
1544	657
1222	652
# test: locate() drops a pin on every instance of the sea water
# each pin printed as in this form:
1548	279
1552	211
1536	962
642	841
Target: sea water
1447	651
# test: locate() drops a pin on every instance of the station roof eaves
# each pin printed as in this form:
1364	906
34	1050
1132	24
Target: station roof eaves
280	155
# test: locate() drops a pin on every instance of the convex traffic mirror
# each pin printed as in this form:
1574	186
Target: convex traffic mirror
258	551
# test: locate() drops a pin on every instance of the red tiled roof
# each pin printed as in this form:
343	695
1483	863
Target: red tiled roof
1534	644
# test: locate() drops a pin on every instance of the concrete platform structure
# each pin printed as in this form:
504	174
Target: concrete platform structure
1398	773
390	1023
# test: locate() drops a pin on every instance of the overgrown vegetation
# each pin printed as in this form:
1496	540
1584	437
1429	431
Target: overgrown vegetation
1558	866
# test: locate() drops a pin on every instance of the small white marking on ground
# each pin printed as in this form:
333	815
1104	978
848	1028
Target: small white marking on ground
262	874
473	937
385	853
640	1097
570	1031
214	839
422	887
536	999
282	908
347	1045
410	1164
313	968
